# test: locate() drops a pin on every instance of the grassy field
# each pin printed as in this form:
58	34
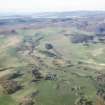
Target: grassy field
73	77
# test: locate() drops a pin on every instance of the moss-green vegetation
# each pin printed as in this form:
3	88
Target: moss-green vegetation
75	70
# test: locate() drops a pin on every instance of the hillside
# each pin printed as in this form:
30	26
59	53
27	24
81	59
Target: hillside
52	61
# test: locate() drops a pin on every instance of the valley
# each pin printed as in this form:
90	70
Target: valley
53	60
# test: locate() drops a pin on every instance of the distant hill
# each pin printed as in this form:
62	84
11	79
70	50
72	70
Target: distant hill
55	14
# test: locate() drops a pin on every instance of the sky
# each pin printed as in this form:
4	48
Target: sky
50	5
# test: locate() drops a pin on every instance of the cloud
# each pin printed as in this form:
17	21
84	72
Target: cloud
51	5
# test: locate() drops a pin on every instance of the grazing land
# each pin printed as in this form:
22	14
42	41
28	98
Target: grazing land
53	59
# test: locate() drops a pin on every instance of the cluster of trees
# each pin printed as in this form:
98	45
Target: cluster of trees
36	74
51	76
10	86
80	38
101	86
86	39
82	98
26	101
100	29
50	46
83	101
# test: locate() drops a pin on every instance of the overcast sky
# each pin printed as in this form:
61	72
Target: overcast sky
50	5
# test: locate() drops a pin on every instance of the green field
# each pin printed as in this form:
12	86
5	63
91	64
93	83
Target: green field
76	70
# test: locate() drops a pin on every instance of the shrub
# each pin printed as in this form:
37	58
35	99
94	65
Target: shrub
10	86
26	101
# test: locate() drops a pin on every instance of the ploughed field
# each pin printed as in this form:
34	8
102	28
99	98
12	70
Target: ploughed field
51	66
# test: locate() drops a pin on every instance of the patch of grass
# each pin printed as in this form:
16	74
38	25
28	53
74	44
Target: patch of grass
7	100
